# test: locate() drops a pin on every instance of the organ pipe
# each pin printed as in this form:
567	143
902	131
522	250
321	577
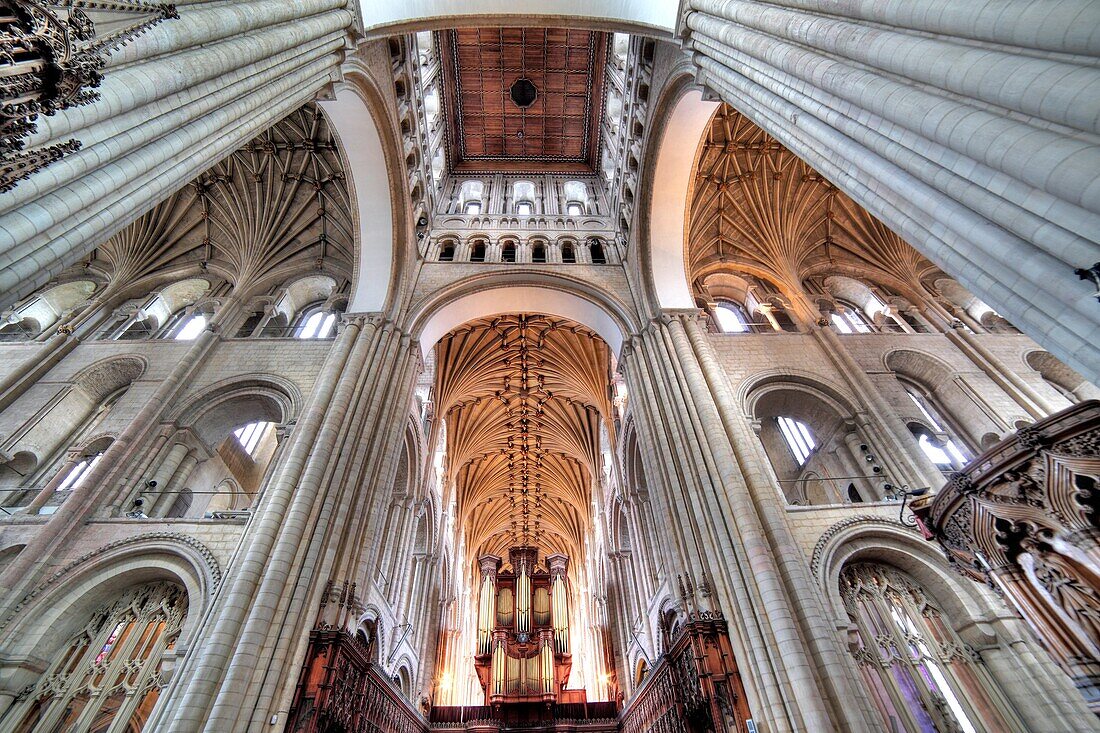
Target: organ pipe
486	614
559	603
498	668
523	601
546	657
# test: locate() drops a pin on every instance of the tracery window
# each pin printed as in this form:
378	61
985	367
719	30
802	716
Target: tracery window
921	676
798	437
108	676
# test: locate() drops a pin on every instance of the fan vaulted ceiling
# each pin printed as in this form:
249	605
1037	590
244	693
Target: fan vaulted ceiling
759	209
491	123
523	397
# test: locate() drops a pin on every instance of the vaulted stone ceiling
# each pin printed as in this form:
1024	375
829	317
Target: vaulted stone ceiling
490	128
756	208
280	199
523	397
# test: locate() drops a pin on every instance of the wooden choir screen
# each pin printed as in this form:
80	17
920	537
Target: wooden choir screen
341	691
695	687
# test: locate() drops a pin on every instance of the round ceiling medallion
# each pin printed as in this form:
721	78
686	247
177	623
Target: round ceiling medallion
523	92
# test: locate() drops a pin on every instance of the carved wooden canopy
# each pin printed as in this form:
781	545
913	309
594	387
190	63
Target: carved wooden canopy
523	99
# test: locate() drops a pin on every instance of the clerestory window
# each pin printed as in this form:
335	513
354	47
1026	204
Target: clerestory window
798	438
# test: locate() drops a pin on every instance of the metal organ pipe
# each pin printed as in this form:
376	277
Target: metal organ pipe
523	601
487	604
546	658
559	603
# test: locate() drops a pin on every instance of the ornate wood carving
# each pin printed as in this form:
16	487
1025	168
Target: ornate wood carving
341	691
1023	517
695	687
52	58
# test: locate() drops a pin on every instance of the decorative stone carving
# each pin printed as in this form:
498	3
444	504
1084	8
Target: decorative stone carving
52	58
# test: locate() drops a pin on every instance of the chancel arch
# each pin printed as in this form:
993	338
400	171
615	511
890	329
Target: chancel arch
549	296
366	146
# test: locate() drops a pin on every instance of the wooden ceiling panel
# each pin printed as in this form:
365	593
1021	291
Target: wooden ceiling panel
487	131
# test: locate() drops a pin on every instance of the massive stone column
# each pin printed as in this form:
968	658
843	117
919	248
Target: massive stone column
311	526
727	533
969	128
173	102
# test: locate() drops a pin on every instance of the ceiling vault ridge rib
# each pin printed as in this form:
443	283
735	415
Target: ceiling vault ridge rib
524	410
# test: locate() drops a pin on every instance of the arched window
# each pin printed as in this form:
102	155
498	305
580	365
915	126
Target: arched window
574	208
850	319
79	472
538	252
508	252
251	435
568	254
920	674
596	250
477	252
315	323
938	444
447	252
853	494
523	197
730	318
470	197
110	670
798	438
188	328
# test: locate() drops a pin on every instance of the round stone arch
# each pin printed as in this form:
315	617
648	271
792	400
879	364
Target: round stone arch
887	542
46	618
209	411
495	295
649	18
683	117
362	127
755	388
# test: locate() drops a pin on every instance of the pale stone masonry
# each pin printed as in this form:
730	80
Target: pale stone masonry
217	410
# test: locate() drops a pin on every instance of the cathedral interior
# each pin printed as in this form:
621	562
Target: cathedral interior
716	366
